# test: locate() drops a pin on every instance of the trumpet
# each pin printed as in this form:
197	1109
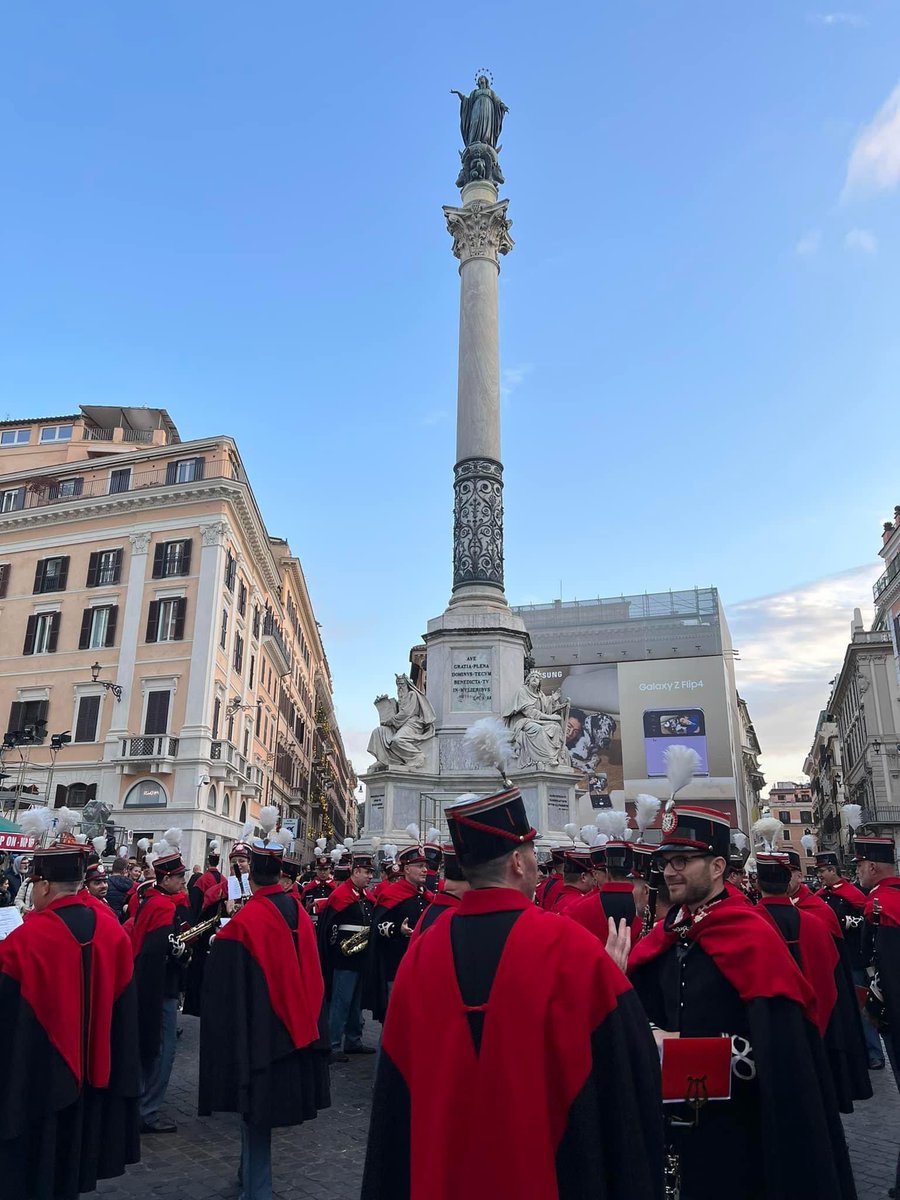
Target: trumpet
181	941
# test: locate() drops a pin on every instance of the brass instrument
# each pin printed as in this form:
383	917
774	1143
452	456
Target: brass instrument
356	942
180	941
875	1005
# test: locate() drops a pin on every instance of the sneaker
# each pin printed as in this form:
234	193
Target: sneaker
337	1056
158	1126
358	1048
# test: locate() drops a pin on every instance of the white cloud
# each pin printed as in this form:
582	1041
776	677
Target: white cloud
862	240
791	645
512	378
875	158
857	20
809	244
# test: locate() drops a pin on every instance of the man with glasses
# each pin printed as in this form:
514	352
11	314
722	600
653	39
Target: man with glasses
714	966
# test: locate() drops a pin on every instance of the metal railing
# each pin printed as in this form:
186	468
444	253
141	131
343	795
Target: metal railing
225	751
147	746
881	814
883	580
88	434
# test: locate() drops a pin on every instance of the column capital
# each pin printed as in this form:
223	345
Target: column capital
479	230
215	534
140	542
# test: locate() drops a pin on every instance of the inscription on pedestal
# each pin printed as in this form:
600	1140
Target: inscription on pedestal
471	681
557	807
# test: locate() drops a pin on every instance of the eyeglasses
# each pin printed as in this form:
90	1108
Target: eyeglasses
679	861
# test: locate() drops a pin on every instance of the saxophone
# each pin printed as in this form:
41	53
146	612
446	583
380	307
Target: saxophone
180	941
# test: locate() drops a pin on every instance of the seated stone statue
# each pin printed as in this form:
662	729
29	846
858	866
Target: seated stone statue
536	724
405	727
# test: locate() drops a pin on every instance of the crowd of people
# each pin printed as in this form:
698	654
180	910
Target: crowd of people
624	1020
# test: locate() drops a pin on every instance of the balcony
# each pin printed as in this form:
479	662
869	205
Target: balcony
273	640
229	765
155	753
884	580
881	814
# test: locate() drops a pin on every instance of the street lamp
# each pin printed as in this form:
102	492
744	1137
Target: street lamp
115	688
235	706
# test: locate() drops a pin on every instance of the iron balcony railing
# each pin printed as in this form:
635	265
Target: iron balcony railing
882	582
114	480
147	746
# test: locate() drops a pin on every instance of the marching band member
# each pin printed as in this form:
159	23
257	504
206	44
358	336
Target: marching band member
96	886
261	1053
578	880
290	873
547	890
449	895
69	1104
876	867
714	967
516	1060
398	910
614	898
318	890
239	879
343	930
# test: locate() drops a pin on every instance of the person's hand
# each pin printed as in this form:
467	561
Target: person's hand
661	1035
406	928
618	944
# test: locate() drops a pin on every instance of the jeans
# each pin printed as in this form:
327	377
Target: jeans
153	1085
345	1014
873	1041
256	1162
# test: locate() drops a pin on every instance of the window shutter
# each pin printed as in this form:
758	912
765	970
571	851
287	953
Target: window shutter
199	466
86	723
217	709
30	631
186	557
54	632
117	568
152	618
171	470
4	579
180	609
39	575
157	719
15	716
42	710
93	568
159	554
111	625
19	501
63	574
79	487
61	794
91	793
84	638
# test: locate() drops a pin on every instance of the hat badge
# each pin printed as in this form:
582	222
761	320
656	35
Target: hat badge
669	821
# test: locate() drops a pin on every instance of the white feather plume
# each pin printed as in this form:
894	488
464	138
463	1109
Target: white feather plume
268	815
81	839
769	830
349	843
739	839
66	819
807	841
321	843
143	844
390	850
571	830
173	837
99	843
646	809
602	839
214	847
615	824
489	742
150	858
588	834
122	852
681	764
246	831
434	836
750	865
851	816
337	854
36	821
413	830
376	842
161	847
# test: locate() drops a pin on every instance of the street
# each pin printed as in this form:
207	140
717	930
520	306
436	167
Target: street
324	1158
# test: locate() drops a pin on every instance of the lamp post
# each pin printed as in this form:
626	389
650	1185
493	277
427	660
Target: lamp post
115	688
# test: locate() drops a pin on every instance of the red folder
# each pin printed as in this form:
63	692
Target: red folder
696	1070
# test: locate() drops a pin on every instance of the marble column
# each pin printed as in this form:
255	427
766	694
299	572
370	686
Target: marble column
480	230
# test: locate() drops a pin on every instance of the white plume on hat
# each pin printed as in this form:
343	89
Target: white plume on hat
612	822
320	845
81	839
646	809
144	844
490	743
214	847
150	858
807	841
571	830
851	816
739	839
337	854
36	821
349	843
433	836
390	850
67	819
173	838
589	834
768	829
99	843
161	847
376	842
122	852
246	831
681	765
413	830
268	815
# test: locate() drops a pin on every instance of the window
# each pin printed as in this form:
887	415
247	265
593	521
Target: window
15	437
226	805
165	620
806	816
172	558
148	794
259	714
87	718
23	713
256	620
246	743
156	718
211	798
223	632
242	597
41	633
4	579
51	575
186	470
230	570
120	480
98	627
76	795
238	653
104	568
56	433
252	657
243	816
810	854
784	818
786	834
66	488
217	716
12	500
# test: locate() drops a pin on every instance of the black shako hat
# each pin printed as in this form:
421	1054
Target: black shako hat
411	855
687	826
452	869
169	864
598	857
828	858
792	856
290	867
874	849
433	856
59	864
366	861
641	855
488	827
773	869
266	861
578	860
619	855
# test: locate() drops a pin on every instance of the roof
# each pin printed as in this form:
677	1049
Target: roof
41	420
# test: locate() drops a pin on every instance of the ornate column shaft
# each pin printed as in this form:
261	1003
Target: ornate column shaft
480	230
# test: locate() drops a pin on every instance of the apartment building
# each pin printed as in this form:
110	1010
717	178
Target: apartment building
825	768
145	609
792	804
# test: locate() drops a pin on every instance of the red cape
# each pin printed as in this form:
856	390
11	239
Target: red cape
158	910
485	1098
737	893
810	903
396	893
846	891
745	948
293	974
818	954
344	895
887	893
42	952
567	896
95	902
317	883
213	890
590	913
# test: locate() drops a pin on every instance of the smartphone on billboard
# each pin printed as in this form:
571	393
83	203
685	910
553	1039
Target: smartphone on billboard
673	727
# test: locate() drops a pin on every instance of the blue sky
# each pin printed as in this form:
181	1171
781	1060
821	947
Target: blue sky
233	211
